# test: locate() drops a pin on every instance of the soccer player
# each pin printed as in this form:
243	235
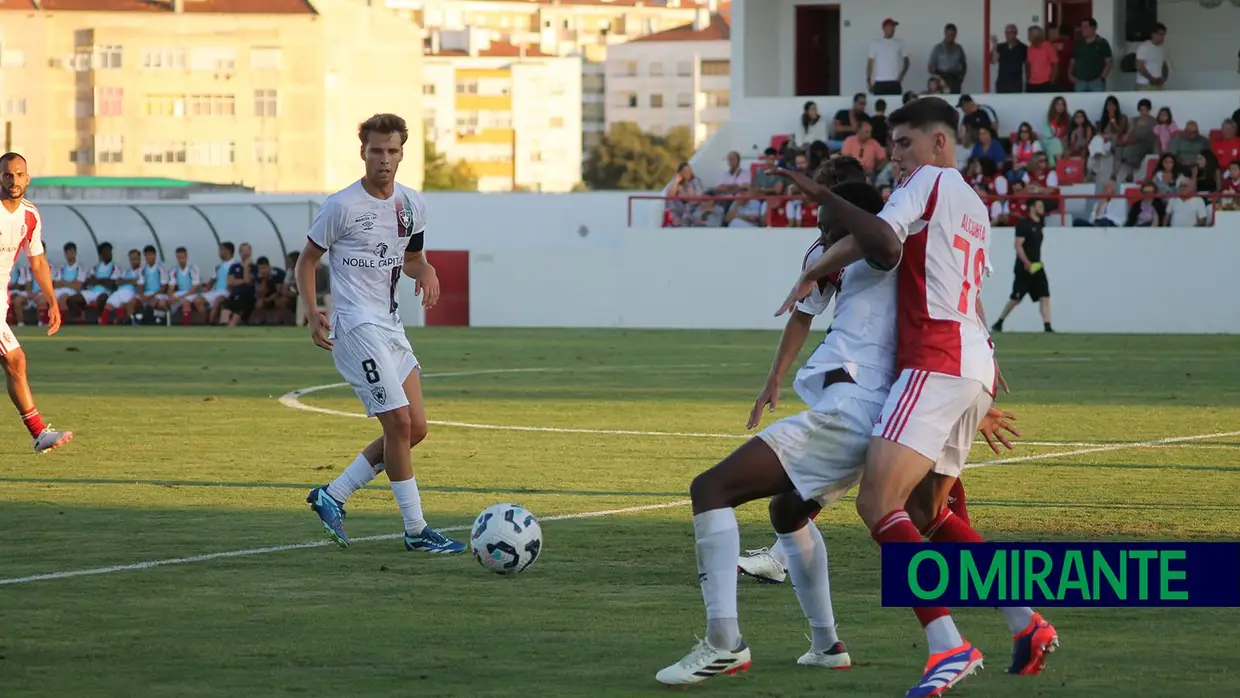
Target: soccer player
152	280
372	231
1030	274
126	294
936	230
184	282
102	279
213	298
21	227
68	281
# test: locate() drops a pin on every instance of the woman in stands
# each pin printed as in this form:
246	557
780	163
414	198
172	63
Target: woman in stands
1148	212
1024	148
1207	175
1166	177
813	127
1165	129
1135	142
1079	135
1055	133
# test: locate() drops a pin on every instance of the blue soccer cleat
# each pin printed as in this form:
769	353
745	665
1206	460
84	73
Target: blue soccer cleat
331	513
946	669
432	541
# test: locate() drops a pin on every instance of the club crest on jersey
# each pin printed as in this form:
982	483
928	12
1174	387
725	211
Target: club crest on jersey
381	250
379	394
404	215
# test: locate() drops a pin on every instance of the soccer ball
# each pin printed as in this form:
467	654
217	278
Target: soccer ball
505	538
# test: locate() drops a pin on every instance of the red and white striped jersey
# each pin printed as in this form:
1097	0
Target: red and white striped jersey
23	228
945	227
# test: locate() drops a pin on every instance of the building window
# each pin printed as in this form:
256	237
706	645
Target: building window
428	89
82	156
213	58
716	67
12	58
108	57
627	69
216	154
656	100
266	152
163	58
169	152
163	105
265	103
656	69
212	105
684	68
467	87
717	98
557	122
467	122
109	101
109	149
684	100
13	107
266	59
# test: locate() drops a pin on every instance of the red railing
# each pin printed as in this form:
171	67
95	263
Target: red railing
773	201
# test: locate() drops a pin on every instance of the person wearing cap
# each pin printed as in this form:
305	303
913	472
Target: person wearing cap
887	63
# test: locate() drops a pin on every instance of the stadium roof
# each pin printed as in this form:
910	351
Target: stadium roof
91	182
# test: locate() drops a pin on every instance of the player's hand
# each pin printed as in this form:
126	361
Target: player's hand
427	286
992	427
768	398
803	288
53	319
1028	266
320	330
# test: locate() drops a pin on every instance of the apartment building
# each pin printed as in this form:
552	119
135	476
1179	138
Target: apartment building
584	28
511	113
678	77
266	93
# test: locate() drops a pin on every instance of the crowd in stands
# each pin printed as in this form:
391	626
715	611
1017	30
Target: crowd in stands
141	290
1008	164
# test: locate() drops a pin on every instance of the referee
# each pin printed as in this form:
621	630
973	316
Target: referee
1030	274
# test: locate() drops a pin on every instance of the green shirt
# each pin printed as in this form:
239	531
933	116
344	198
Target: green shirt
1090	57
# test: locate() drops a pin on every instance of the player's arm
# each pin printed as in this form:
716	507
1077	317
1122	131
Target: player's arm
419	268
41	272
877	236
1020	248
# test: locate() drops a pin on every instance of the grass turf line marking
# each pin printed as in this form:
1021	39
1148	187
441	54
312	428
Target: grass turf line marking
151	564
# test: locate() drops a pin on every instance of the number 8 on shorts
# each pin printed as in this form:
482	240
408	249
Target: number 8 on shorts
375	361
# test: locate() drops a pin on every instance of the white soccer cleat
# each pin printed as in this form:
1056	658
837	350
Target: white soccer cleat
834	658
703	663
762	566
49	440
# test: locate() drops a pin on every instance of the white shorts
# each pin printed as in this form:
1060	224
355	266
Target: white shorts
176	301
375	361
8	342
213	296
121	296
92	296
936	415
65	292
823	449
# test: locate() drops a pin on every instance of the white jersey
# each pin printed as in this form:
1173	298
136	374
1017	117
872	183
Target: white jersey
23	228
366	239
862	336
945	228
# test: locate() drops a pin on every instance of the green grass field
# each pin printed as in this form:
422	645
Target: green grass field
184	450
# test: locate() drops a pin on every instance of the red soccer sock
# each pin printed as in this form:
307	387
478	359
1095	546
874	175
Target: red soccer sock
896	527
949	528
955	501
34	423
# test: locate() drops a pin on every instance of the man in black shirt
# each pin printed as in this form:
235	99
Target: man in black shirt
1011	57
1030	274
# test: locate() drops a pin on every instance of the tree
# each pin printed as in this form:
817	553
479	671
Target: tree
441	175
629	159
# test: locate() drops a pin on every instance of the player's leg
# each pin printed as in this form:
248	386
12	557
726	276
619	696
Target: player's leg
419	537
1020	287
1040	292
328	501
14	361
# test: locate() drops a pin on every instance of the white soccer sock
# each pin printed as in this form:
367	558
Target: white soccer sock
942	635
718	547
807	565
410	503
779	551
1017	618
354	478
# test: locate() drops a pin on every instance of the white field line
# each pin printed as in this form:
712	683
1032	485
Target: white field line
293	400
151	564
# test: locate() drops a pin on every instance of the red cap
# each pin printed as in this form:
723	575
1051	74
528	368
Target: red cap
891	22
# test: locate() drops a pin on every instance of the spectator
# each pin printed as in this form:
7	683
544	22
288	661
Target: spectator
1227	147
878	123
241	275
1018	205
908	97
124	297
812	127
1080	135
865	149
1111	124
686	213
184	284
749	211
322	288
1231	186
1152	65
1166	177
1055	132
964	153
68	282
764	182
935	86
1165	129
1064	40
1188	210
1011	56
1148	212
1040	179
1024	147
217	292
887	63
847	121
987	148
948	61
1135	142
735	179
268	299
800	163
150	287
1186	144
1206	175
1091	59
102	279
975	117
1108	210
1043	62
817	155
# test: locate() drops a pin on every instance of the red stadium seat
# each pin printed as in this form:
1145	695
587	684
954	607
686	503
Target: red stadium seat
1216	134
778	140
1070	171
